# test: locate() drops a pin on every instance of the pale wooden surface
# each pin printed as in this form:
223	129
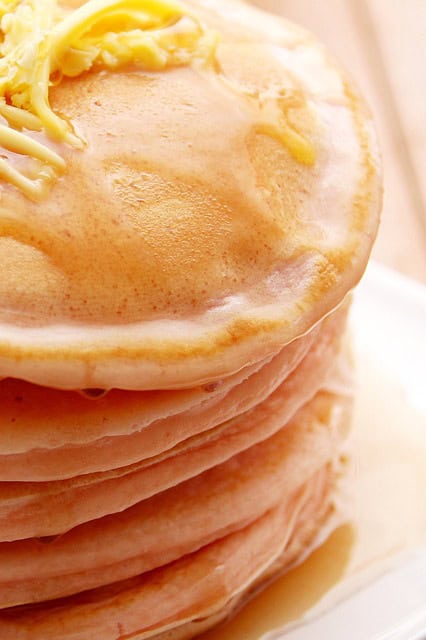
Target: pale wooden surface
383	45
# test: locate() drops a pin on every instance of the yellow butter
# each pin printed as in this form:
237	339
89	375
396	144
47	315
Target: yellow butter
41	39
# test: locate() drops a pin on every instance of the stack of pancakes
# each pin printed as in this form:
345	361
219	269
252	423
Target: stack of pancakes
173	412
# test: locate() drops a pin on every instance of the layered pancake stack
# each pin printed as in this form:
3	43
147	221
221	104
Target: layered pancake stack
190	191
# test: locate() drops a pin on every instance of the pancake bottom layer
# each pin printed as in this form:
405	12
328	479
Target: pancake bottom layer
181	520
193	551
209	584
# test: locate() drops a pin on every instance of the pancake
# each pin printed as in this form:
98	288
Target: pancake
48	423
188	268
162	436
42	417
50	508
193	593
180	520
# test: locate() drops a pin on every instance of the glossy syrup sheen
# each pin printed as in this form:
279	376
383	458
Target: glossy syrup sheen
389	449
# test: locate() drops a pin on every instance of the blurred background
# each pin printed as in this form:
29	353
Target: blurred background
382	43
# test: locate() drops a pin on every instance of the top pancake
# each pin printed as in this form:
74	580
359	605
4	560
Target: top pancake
217	213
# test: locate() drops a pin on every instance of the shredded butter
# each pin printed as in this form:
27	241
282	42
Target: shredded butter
41	40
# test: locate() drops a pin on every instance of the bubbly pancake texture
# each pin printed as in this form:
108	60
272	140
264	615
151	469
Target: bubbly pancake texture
203	211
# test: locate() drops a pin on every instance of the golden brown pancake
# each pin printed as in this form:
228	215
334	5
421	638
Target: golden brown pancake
50	508
180	520
41	425
163	436
43	417
220	228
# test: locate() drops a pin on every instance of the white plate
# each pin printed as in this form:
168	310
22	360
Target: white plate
389	324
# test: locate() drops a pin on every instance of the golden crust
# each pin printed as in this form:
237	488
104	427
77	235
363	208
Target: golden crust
187	240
